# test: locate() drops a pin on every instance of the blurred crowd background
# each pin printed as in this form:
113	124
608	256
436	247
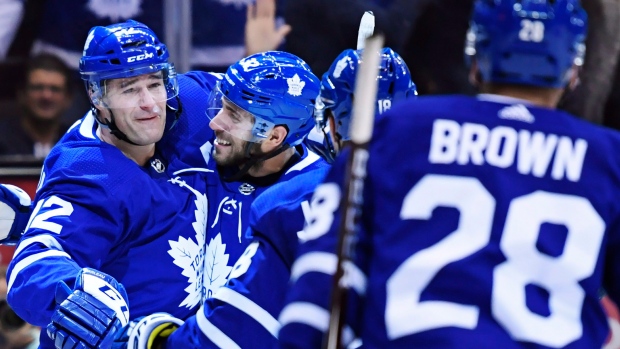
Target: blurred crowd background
41	94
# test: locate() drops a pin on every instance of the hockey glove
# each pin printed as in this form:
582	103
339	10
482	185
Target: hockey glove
15	209
91	315
147	332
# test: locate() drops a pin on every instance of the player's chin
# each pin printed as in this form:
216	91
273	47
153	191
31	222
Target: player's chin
221	156
150	136
226	157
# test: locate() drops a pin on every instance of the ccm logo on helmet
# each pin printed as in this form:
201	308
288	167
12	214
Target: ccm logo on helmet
139	57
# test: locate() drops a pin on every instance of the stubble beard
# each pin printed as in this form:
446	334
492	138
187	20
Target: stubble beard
235	157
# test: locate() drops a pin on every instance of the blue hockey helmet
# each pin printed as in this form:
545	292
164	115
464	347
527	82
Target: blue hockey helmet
527	42
124	50
338	84
276	88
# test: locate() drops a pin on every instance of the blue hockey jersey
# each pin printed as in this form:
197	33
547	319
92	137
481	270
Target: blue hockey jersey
486	223
255	224
96	208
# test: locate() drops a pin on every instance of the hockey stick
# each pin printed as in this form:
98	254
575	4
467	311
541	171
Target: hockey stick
366	29
351	204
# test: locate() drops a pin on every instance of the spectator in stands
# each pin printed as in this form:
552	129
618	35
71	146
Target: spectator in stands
43	96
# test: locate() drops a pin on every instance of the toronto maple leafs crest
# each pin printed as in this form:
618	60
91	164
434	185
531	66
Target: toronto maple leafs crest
295	85
188	254
217	269
116	10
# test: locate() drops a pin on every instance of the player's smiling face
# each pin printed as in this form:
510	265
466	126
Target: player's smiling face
138	105
233	130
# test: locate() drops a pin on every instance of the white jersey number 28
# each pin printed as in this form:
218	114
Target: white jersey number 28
524	264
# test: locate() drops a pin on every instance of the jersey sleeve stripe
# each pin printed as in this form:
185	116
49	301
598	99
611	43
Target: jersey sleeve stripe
321	262
44	239
312	315
21	265
213	333
249	307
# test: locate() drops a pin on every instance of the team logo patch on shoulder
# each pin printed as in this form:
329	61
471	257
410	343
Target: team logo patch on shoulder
246	189
158	166
295	85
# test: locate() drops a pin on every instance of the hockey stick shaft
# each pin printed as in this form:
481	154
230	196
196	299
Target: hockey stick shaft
366	29
351	204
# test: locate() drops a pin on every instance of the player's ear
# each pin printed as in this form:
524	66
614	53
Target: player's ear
474	73
574	77
276	138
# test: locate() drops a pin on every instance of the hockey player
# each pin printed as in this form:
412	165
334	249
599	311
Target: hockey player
111	226
272	154
488	221
333	109
243	313
260	112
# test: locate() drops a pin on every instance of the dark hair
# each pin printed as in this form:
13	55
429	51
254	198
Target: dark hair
49	62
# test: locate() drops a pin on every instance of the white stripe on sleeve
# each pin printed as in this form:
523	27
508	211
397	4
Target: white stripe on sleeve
21	265
45	239
312	315
213	333
249	307
323	262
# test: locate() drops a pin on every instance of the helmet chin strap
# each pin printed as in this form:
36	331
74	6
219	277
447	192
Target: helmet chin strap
111	125
253	160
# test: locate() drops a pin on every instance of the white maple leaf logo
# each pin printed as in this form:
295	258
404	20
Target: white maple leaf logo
188	255
295	85
115	9
216	266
